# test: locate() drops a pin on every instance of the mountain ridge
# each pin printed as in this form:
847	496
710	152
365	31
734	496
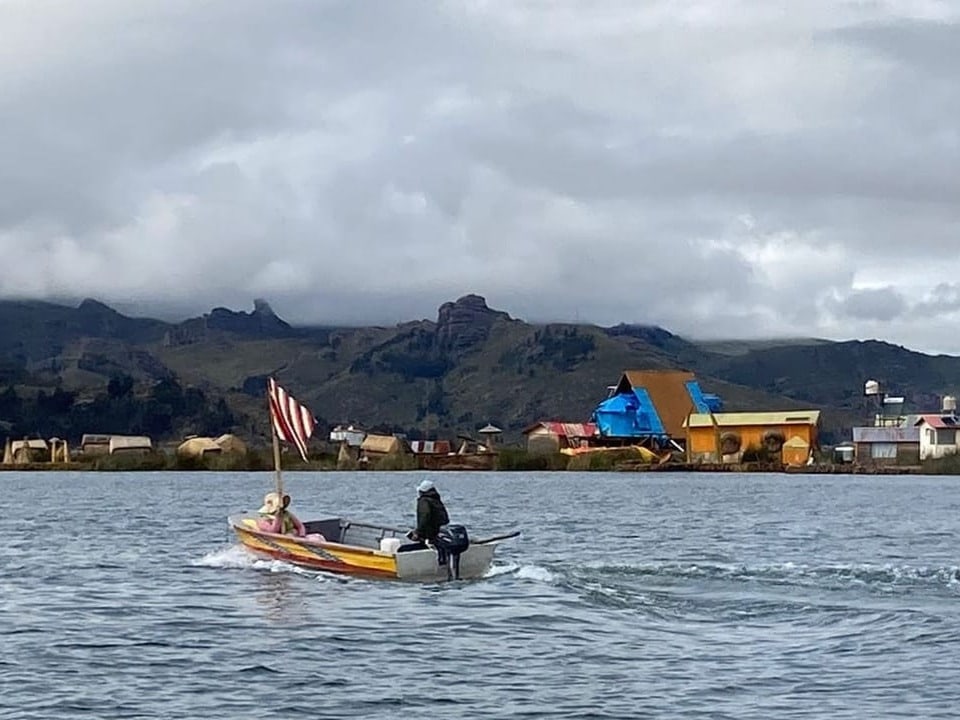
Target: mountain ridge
262	307
470	365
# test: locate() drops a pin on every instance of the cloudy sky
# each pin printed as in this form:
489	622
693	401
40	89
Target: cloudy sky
733	168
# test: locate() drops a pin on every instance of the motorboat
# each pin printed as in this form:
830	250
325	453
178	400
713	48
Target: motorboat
342	546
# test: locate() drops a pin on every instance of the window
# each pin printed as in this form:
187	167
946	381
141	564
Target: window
883	451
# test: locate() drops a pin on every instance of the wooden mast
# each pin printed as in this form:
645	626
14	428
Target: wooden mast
276	451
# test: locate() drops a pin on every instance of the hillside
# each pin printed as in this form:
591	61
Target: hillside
470	366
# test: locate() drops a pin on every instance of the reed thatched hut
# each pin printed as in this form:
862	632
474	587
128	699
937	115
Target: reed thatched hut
22	452
198	447
231	444
381	445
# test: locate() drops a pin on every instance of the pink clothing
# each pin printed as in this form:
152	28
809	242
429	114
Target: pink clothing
291	523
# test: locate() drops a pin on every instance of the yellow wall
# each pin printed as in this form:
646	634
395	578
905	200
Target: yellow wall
703	440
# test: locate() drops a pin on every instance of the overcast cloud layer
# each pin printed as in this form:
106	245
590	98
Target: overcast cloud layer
728	168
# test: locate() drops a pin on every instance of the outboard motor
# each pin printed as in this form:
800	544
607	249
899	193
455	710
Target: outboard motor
452	540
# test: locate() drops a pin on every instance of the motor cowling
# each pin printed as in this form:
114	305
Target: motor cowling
453	538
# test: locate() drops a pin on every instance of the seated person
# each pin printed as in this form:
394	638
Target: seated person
277	519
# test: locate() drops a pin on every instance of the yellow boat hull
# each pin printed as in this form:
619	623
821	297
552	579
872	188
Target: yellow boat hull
358	553
331	557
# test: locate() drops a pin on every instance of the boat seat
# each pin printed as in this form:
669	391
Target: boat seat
410	547
363	535
330	528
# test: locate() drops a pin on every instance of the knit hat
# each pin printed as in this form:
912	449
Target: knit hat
425	486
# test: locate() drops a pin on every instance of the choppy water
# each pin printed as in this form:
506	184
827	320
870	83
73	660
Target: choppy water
123	596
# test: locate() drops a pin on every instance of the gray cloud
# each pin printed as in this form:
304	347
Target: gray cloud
881	304
736	171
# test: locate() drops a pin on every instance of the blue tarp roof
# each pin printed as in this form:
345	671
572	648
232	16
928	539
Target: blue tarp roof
630	414
696	394
714	402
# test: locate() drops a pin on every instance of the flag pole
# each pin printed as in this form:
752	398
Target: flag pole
276	450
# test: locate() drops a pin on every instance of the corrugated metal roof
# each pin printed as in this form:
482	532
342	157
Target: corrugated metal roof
668	392
579	430
937	421
430	447
565	429
796	417
886	434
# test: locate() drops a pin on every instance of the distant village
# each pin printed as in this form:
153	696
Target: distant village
648	419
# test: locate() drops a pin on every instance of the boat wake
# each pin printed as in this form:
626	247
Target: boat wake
235	557
535	573
882	577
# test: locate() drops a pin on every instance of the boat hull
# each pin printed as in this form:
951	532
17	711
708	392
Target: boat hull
347	558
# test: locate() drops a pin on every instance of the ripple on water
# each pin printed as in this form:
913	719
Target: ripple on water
717	596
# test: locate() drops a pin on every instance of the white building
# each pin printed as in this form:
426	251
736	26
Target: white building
350	435
938	435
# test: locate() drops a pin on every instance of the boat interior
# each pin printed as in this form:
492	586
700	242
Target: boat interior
347	532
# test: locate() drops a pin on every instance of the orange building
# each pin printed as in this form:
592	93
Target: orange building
790	437
673	394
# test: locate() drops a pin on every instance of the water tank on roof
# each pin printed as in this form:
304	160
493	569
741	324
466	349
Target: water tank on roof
871	387
949	404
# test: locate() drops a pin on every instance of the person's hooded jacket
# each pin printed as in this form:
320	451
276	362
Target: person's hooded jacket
431	515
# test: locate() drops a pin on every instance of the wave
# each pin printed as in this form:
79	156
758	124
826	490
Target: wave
886	575
536	573
235	557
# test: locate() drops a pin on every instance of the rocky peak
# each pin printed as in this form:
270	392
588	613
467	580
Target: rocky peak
89	306
262	307
465	323
262	322
95	318
652	334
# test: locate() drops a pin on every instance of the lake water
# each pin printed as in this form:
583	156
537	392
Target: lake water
628	595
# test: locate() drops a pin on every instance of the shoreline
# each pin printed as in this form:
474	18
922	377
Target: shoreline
747	468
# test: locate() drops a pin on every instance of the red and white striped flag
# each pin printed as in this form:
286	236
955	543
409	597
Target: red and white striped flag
292	422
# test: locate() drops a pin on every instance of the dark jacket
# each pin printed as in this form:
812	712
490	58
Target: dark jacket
431	515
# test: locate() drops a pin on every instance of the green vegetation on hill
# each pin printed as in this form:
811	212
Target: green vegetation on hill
65	371
164	410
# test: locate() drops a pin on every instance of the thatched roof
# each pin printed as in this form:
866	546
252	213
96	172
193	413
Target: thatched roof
196	447
33	444
120	443
230	443
382	445
23	451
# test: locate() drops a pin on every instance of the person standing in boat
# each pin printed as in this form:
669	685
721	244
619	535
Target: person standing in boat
431	513
277	519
